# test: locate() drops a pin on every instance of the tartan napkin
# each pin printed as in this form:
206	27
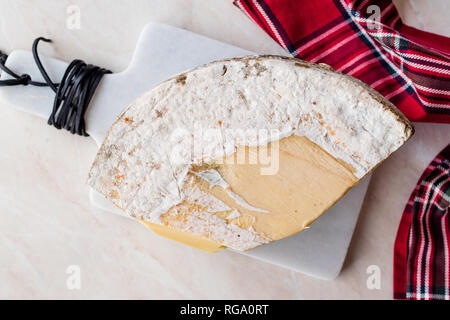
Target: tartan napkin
365	39
421	252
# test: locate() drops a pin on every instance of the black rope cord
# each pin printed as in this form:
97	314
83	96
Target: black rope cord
72	95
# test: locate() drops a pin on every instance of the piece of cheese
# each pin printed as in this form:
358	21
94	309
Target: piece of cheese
183	237
306	184
246	151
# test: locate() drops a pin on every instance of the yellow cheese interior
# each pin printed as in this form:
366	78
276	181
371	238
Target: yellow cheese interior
183	237
308	181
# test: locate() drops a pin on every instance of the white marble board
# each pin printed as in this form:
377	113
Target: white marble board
163	51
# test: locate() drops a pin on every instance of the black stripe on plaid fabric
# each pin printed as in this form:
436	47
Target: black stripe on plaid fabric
278	26
318	32
374	50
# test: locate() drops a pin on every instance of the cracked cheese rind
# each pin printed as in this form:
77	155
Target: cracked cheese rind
146	161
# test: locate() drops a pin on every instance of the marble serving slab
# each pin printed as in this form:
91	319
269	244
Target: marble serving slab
163	51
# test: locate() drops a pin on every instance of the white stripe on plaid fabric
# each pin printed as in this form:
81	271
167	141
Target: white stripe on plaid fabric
392	25
389	32
437	91
362	4
417	57
428	259
417	65
269	22
409	82
434	105
354	60
335	47
418	263
382	80
386	10
419	200
445	232
395	93
431	190
440	192
380	54
398	50
437	296
365	21
324	35
243	9
424	284
362	65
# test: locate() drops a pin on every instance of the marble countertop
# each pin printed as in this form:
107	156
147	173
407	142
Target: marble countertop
48	225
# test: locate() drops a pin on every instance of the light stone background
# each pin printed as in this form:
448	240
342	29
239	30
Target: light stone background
47	222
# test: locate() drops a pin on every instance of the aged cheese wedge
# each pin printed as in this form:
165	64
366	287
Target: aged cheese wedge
245	151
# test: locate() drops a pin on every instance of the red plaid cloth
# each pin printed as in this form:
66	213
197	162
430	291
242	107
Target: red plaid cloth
421	253
409	67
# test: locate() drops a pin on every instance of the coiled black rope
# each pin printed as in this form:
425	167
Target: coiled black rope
72	95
